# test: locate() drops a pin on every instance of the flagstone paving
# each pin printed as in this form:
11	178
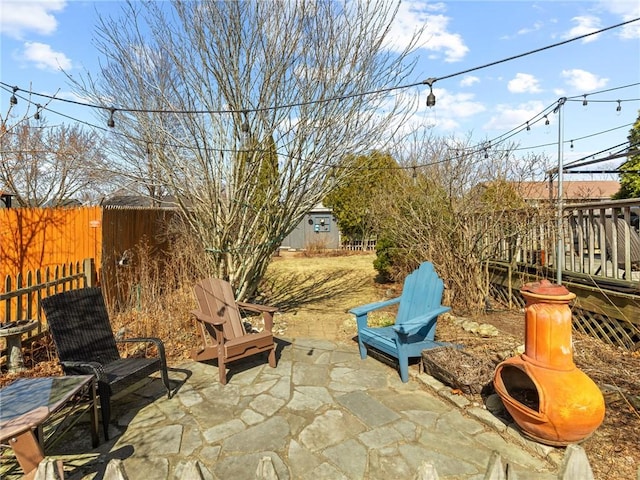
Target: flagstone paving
322	413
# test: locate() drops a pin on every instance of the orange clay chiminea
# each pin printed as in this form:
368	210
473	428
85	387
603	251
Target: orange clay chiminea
548	397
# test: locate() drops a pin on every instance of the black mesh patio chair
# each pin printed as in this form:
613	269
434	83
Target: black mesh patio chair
79	324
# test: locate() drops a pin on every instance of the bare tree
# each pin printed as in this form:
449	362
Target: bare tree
42	165
446	208
209	90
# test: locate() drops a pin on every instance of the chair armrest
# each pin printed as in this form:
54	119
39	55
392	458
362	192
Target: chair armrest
370	307
84	368
415	324
362	312
156	341
254	307
207	318
266	310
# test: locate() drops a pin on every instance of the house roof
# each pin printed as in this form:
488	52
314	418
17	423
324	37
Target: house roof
581	190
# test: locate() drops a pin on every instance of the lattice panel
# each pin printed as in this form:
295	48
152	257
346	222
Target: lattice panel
501	294
610	330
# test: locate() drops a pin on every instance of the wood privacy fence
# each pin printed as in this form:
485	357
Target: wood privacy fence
124	231
36	238
39	238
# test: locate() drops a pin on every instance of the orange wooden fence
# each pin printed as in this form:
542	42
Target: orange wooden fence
37	238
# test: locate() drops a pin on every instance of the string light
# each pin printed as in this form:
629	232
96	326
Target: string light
571	146
546	120
245	125
500	139
111	123
14	100
584	101
37	114
528	127
619	107
431	98
472	151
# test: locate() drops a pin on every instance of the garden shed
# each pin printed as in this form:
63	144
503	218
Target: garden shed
318	229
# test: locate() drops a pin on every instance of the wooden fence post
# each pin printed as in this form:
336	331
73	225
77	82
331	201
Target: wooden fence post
89	271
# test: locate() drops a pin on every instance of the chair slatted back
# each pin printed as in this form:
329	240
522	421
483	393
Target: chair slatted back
80	327
421	293
216	299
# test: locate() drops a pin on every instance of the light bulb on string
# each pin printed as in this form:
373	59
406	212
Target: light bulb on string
332	177
36	116
584	101
619	107
431	98
111	122
571	145
546	120
528	127
245	124
14	100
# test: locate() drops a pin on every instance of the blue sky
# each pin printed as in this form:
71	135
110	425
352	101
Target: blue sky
40	39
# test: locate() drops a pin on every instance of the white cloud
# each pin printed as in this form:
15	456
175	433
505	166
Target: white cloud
450	108
583	81
19	18
44	57
536	26
445	124
412	16
524	83
469	80
457	105
627	10
508	116
585	24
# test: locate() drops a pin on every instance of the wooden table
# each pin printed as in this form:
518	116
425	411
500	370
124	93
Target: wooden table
28	403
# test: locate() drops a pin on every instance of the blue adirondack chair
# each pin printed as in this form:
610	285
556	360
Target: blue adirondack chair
415	326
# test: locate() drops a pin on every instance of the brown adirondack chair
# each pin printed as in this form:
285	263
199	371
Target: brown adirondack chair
223	334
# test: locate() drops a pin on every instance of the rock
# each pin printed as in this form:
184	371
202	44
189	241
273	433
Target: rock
426	472
494	404
470	326
487	330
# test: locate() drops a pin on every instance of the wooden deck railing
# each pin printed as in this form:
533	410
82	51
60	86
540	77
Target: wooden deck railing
600	239
603	239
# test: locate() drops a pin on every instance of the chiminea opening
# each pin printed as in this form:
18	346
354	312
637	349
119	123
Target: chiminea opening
520	387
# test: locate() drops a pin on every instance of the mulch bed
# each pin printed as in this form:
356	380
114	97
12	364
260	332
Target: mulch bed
614	448
459	369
